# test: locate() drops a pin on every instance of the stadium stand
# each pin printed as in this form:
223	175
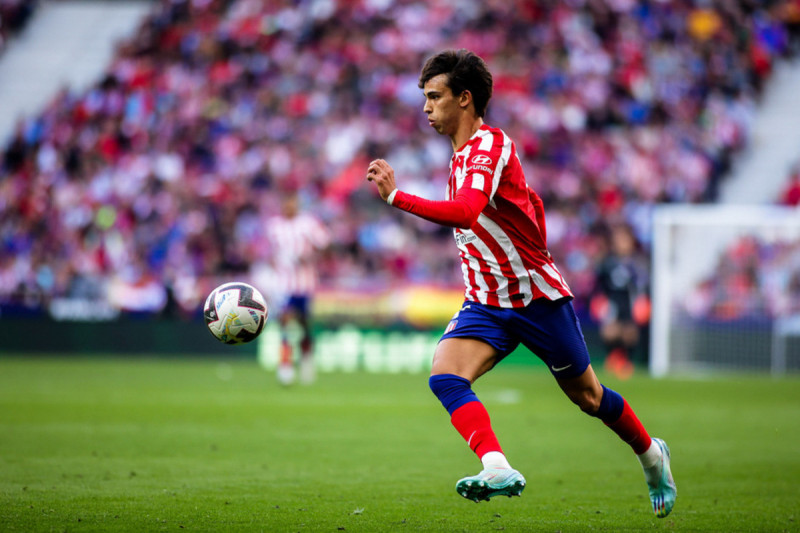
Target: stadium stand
67	43
773	144
754	278
790	194
14	16
153	184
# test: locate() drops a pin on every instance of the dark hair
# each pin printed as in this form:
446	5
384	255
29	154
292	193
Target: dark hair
465	72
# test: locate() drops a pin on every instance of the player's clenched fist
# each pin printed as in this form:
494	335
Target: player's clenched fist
382	174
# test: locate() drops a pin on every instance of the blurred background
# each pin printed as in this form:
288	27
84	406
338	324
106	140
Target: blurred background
144	146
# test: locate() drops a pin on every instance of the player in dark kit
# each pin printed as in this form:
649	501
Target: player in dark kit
514	291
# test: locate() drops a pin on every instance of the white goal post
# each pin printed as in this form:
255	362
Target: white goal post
725	289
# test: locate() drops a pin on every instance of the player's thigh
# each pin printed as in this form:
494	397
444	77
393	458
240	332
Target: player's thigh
550	329
463	356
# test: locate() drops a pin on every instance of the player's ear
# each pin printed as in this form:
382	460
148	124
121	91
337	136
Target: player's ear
464	99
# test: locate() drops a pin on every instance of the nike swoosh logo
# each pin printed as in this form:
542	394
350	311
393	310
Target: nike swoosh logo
561	368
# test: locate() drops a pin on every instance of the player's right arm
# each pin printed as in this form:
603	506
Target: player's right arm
461	212
382	175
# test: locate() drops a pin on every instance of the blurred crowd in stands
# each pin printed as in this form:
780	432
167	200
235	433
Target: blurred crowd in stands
14	16
155	184
790	195
755	278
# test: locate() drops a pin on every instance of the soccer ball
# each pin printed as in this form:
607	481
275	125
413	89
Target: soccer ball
235	312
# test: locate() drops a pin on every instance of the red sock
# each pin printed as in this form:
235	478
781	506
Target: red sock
473	423
286	353
631	430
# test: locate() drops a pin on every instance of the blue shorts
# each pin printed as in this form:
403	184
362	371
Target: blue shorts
298	304
547	328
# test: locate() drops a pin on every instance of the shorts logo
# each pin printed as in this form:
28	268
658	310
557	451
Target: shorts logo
451	326
481	159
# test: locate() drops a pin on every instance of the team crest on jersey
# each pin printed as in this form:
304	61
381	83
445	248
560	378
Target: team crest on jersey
451	326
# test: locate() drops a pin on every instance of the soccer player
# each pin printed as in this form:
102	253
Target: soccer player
620	302
296	238
514	292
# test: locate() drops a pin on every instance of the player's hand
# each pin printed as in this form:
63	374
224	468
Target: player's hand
382	175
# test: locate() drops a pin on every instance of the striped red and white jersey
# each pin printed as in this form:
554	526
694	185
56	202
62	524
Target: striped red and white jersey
295	242
504	255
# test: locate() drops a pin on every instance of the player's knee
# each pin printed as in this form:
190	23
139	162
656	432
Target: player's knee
590	406
453	391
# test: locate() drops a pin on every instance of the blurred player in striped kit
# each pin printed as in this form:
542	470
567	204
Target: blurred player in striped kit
514	291
296	239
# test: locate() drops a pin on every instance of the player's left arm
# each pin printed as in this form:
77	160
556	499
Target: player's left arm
538	207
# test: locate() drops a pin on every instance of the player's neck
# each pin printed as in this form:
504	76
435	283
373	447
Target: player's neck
466	129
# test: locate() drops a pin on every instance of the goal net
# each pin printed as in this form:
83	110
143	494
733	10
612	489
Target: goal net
726	289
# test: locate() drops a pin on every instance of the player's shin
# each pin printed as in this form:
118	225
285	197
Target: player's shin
615	412
472	421
469	417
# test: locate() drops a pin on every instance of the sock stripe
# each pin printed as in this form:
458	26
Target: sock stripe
469	440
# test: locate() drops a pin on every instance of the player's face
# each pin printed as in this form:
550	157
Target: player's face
441	105
290	206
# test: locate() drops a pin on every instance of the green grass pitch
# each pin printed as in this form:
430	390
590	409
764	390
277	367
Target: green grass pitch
216	445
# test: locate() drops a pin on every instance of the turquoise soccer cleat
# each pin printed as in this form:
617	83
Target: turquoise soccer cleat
491	482
664	493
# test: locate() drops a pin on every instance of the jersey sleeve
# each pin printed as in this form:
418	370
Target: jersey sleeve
538	207
461	212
